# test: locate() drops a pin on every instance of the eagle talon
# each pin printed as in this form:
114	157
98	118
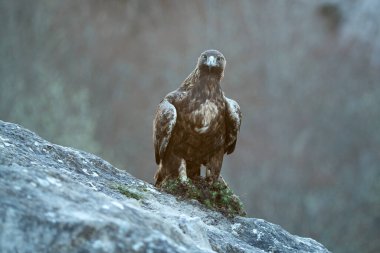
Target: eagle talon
211	180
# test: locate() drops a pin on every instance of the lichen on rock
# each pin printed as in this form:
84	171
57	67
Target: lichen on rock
126	191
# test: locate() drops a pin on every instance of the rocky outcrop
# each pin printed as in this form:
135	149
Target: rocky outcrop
59	199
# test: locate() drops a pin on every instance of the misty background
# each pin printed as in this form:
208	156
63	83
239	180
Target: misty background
89	74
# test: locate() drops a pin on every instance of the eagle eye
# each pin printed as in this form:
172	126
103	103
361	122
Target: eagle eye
219	58
204	56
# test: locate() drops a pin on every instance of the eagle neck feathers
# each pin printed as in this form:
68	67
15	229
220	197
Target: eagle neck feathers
202	83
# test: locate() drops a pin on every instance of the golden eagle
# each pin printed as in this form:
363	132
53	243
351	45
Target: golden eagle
196	124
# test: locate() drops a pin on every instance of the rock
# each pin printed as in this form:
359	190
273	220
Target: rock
59	199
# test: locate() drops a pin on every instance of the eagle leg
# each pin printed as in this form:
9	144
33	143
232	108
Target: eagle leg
193	170
159	176
208	173
182	171
168	169
214	166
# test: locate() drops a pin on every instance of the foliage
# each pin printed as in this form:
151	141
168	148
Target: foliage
217	196
55	112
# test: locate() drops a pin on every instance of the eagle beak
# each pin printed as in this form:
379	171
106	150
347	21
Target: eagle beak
211	61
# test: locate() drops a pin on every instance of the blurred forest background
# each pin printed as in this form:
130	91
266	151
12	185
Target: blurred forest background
306	74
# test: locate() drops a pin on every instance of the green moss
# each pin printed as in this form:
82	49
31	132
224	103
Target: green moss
143	188
217	196
127	192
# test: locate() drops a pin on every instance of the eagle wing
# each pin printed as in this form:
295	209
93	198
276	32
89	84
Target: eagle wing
233	121
163	125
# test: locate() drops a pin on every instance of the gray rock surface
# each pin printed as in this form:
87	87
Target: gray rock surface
58	199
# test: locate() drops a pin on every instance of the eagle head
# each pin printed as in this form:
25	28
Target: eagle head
212	62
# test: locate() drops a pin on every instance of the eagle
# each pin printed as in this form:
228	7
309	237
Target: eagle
196	124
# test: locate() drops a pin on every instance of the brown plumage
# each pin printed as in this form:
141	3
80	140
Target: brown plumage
196	124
